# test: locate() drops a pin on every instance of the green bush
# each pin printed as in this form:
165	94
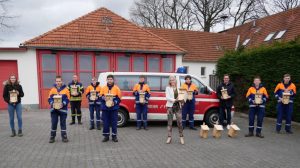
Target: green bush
270	63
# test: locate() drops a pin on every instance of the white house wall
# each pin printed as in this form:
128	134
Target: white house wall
27	72
194	68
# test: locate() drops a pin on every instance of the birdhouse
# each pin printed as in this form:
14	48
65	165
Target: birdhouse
204	131
93	95
182	95
109	100
258	98
217	131
224	93
286	97
57	102
13	96
190	95
74	90
142	97
233	130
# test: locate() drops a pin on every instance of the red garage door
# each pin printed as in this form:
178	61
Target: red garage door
6	68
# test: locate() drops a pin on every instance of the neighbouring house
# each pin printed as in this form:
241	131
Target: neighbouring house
283	26
203	49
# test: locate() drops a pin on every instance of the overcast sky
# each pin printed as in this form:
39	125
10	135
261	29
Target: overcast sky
35	17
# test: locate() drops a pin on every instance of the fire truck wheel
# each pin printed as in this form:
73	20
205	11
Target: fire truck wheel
122	118
211	117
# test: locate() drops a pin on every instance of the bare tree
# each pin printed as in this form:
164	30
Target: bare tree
269	7
208	12
242	11
174	14
4	16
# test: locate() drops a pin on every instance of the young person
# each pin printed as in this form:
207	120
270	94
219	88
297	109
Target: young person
173	108
110	108
256	107
286	86
59	97
141	107
13	87
92	94
75	100
226	103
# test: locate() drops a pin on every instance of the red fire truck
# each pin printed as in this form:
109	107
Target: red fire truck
207	103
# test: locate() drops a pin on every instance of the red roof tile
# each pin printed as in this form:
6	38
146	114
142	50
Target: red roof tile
200	46
89	32
259	29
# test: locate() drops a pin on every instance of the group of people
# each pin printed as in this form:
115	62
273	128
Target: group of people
108	98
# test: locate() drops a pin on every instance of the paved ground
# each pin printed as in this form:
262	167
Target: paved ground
142	148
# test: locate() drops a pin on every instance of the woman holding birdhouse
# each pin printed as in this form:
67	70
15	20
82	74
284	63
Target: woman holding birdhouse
92	94
141	91
225	93
257	97
189	106
285	93
12	95
175	100
110	100
59	97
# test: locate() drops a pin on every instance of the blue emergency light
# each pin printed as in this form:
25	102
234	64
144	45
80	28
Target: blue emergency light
181	70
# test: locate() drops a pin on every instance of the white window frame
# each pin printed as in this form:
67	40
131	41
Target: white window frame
269	37
246	42
280	34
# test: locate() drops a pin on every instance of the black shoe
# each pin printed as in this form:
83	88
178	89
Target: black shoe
115	139
79	122
139	128
278	132
72	123
13	133
259	135
289	132
250	134
20	134
105	139
193	128
65	138
52	140
98	128
92	127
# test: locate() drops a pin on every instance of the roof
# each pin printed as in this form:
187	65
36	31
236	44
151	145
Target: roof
103	30
200	46
259	29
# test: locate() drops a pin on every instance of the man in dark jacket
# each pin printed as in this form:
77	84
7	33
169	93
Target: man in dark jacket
225	102
76	90
12	94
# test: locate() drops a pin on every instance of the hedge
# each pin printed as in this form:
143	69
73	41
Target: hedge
270	62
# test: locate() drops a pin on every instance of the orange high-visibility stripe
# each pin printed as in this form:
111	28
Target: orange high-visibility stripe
137	87
90	88
252	90
115	90
193	87
65	91
280	86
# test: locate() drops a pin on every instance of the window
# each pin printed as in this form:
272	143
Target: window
167	63
126	82
280	34
202	72
138	64
153	64
48	70
102	63
154	82
123	63
246	42
199	85
269	37
67	66
85	69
